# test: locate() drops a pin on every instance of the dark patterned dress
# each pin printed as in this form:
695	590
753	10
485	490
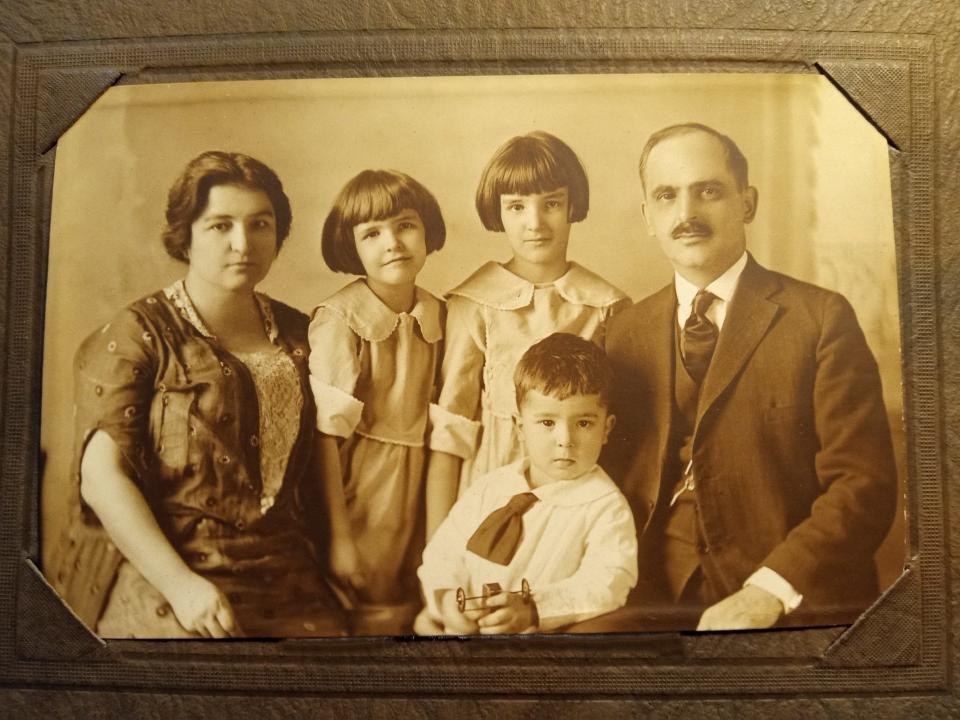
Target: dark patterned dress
220	446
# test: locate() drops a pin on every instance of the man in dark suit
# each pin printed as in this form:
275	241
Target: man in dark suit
752	440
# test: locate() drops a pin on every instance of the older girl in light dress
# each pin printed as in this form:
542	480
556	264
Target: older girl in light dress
533	190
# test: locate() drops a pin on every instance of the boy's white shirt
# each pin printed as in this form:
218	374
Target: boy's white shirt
578	551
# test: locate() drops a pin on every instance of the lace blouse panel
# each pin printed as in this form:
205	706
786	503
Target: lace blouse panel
281	402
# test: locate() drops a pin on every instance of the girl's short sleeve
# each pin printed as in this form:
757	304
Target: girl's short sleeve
114	383
454	417
334	370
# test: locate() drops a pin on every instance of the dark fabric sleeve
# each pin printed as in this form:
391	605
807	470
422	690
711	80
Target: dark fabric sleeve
114	372
854	463
114	386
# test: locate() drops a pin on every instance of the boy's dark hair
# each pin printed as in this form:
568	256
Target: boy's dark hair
376	195
536	162
190	192
735	158
562	365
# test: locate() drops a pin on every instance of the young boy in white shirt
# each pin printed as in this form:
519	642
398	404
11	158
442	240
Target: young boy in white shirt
554	519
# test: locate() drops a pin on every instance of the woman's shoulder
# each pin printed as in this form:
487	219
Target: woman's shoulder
291	322
135	331
150	310
287	314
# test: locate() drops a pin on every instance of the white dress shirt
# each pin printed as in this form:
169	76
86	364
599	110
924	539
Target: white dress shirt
724	288
578	551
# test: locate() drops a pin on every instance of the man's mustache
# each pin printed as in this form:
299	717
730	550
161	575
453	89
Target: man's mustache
691	227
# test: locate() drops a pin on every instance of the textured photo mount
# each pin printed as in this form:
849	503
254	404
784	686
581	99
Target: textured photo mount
899	644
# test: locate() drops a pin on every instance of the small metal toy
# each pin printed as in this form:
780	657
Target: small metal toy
491	589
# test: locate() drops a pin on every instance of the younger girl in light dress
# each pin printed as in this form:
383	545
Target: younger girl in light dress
374	352
533	189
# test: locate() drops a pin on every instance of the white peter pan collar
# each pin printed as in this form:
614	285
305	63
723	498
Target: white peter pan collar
595	484
495	286
368	316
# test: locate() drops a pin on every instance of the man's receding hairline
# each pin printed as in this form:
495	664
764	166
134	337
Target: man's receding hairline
682	130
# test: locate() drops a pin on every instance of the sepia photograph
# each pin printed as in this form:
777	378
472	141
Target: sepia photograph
472	356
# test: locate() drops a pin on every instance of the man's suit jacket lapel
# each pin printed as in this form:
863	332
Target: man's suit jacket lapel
748	318
664	319
648	353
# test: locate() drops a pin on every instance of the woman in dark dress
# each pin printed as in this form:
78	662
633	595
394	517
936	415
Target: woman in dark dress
195	438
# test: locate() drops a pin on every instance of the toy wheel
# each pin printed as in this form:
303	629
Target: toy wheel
461	599
525	590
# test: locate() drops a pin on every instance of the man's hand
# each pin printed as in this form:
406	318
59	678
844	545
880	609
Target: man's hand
747	609
508	613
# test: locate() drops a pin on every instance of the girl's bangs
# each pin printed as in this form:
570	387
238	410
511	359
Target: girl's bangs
374	201
530	174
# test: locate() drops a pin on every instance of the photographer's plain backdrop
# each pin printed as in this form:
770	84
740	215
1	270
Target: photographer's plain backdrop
821	171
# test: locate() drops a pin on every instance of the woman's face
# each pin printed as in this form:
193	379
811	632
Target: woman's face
234	239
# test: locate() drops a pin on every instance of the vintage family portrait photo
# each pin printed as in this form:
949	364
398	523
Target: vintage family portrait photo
472	356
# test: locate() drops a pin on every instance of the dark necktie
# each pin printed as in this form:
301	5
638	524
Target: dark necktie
699	337
498	536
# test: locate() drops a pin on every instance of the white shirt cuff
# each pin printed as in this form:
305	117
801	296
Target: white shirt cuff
338	413
452	433
774	583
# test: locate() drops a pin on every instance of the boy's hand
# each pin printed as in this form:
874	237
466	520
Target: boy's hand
454	621
201	607
508	613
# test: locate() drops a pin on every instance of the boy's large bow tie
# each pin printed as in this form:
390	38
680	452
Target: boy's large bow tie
499	535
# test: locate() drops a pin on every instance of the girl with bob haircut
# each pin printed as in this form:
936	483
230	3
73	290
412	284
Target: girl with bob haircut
376	194
375	345
197	496
528	164
532	190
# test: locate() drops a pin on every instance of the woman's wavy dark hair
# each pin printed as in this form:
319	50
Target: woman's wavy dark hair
189	194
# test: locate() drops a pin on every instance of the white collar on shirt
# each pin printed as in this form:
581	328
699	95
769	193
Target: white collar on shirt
723	287
495	286
371	319
511	479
